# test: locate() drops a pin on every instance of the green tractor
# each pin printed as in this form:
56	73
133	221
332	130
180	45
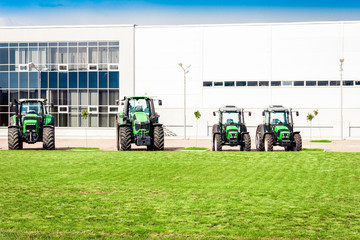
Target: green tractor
231	129
278	130
30	124
139	123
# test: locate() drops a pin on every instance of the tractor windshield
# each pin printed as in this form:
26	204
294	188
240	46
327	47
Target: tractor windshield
231	118
139	105
279	118
32	108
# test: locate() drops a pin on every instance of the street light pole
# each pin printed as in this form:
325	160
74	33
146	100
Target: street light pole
186	71
39	81
341	100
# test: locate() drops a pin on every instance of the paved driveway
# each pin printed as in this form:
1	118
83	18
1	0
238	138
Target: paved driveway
177	144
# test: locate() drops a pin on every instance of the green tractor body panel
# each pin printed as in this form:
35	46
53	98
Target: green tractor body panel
232	132
141	123
281	132
30	123
48	119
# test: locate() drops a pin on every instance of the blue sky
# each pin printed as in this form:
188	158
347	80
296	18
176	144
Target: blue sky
66	12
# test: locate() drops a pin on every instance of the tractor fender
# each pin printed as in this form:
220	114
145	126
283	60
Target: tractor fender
12	122
215	129
242	133
124	125
157	124
261	129
243	128
298	132
48	125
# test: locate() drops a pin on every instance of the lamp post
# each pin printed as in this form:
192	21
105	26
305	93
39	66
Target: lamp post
186	71
39	81
341	100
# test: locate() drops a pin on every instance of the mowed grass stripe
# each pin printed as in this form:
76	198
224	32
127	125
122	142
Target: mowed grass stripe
179	194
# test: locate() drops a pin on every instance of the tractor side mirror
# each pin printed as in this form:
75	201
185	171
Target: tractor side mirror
214	113
263	113
122	103
117	102
160	102
249	114
11	104
297	113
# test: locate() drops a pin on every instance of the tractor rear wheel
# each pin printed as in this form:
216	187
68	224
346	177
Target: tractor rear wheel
14	139
117	138
124	142
247	141
298	142
158	138
217	143
259	141
268	142
48	138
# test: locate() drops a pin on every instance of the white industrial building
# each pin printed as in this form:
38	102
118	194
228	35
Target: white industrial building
251	66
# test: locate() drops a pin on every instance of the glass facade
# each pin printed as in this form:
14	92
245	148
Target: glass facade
72	75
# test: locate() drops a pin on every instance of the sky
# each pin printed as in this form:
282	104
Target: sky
161	12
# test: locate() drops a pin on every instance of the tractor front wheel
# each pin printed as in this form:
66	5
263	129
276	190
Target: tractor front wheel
158	138
298	142
124	138
268	142
48	138
247	142
217	143
14	139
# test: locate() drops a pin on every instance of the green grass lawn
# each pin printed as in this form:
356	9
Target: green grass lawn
321	141
181	195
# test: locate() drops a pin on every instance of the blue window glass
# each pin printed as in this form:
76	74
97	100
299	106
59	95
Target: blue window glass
4	96
103	43
14	80
43	44
14	44
114	80
73	80
44	80
82	79
24	80
93	80
33	44
63	44
62	80
73	44
4	56
4	44
82	44
4	68
24	44
12	55
52	44
93	44
33	80
4	80
53	80
114	43
103	79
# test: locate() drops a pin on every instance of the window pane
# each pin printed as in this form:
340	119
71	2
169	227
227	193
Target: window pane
299	83
83	98
241	83
93	80
334	83
82	58
53	98
14	80
357	82
53	80
287	83
93	55
114	79
62	80
113	55
23	56
63	97
63	120
207	84
94	97
348	83
82	80
74	120
103	79
103	55
34	56
229	84
112	119
4	95
24	80
252	83
103	97
63	56
33	93
93	120
42	57
113	96
4	80
14	94
323	83
73	97
310	83
218	84
44	80
103	120
24	94
73	80
275	83
12	55
264	83
33	80
4	56
4	119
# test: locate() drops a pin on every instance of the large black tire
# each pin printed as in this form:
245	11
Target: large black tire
124	142
259	141
158	138
247	142
14	139
298	142
117	137
217	146
268	142
49	138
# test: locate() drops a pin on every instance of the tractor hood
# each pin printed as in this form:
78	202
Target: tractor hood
282	132
232	132
31	123
140	117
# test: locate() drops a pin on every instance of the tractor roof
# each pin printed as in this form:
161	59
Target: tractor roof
32	100
138	97
276	108
229	108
